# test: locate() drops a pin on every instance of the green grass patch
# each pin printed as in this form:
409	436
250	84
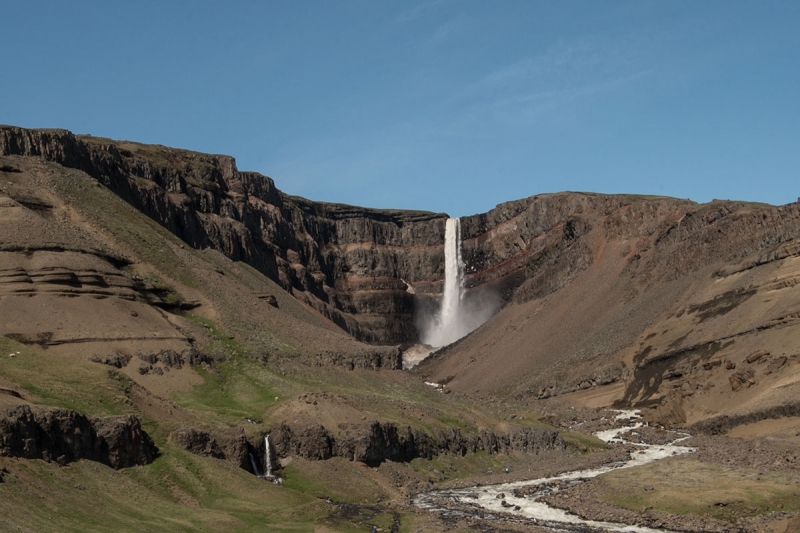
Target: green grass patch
222	343
164	290
364	519
237	389
295	479
228	396
62	381
179	492
337	479
531	419
453	422
582	442
448	467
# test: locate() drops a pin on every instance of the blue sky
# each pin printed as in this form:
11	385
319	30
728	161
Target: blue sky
441	105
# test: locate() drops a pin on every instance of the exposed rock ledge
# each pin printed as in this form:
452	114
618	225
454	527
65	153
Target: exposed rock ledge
375	442
230	444
720	425
64	436
370	443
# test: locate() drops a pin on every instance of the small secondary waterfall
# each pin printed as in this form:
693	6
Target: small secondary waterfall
267	458
253	465
450	325
268	474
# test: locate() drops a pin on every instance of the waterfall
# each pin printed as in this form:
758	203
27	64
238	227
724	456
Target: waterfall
253	465
453	280
268	475
458	314
267	458
449	325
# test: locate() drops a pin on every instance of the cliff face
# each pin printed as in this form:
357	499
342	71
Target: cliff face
375	443
370	270
645	302
346	262
368	442
65	436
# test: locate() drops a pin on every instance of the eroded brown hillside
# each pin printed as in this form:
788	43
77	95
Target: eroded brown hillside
642	302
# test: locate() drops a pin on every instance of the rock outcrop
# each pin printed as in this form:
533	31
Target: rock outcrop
64	436
389	358
370	443
720	425
230	444
374	443
123	441
197	442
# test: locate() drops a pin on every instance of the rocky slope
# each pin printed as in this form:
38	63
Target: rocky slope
690	310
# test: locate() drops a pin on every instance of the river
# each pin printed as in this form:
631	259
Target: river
493	501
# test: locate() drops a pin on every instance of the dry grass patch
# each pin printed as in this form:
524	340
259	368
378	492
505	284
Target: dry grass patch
688	486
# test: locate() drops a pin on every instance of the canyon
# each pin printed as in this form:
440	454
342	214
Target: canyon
211	309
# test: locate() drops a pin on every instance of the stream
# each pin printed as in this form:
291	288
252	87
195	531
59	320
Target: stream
494	501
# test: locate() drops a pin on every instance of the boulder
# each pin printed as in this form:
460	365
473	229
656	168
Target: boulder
776	364
197	442
742	379
126	444
755	356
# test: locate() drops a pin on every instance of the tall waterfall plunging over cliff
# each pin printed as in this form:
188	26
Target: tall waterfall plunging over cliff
450	325
458	312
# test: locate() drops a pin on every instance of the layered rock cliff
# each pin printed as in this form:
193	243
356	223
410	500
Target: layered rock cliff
370	271
346	262
375	442
371	443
